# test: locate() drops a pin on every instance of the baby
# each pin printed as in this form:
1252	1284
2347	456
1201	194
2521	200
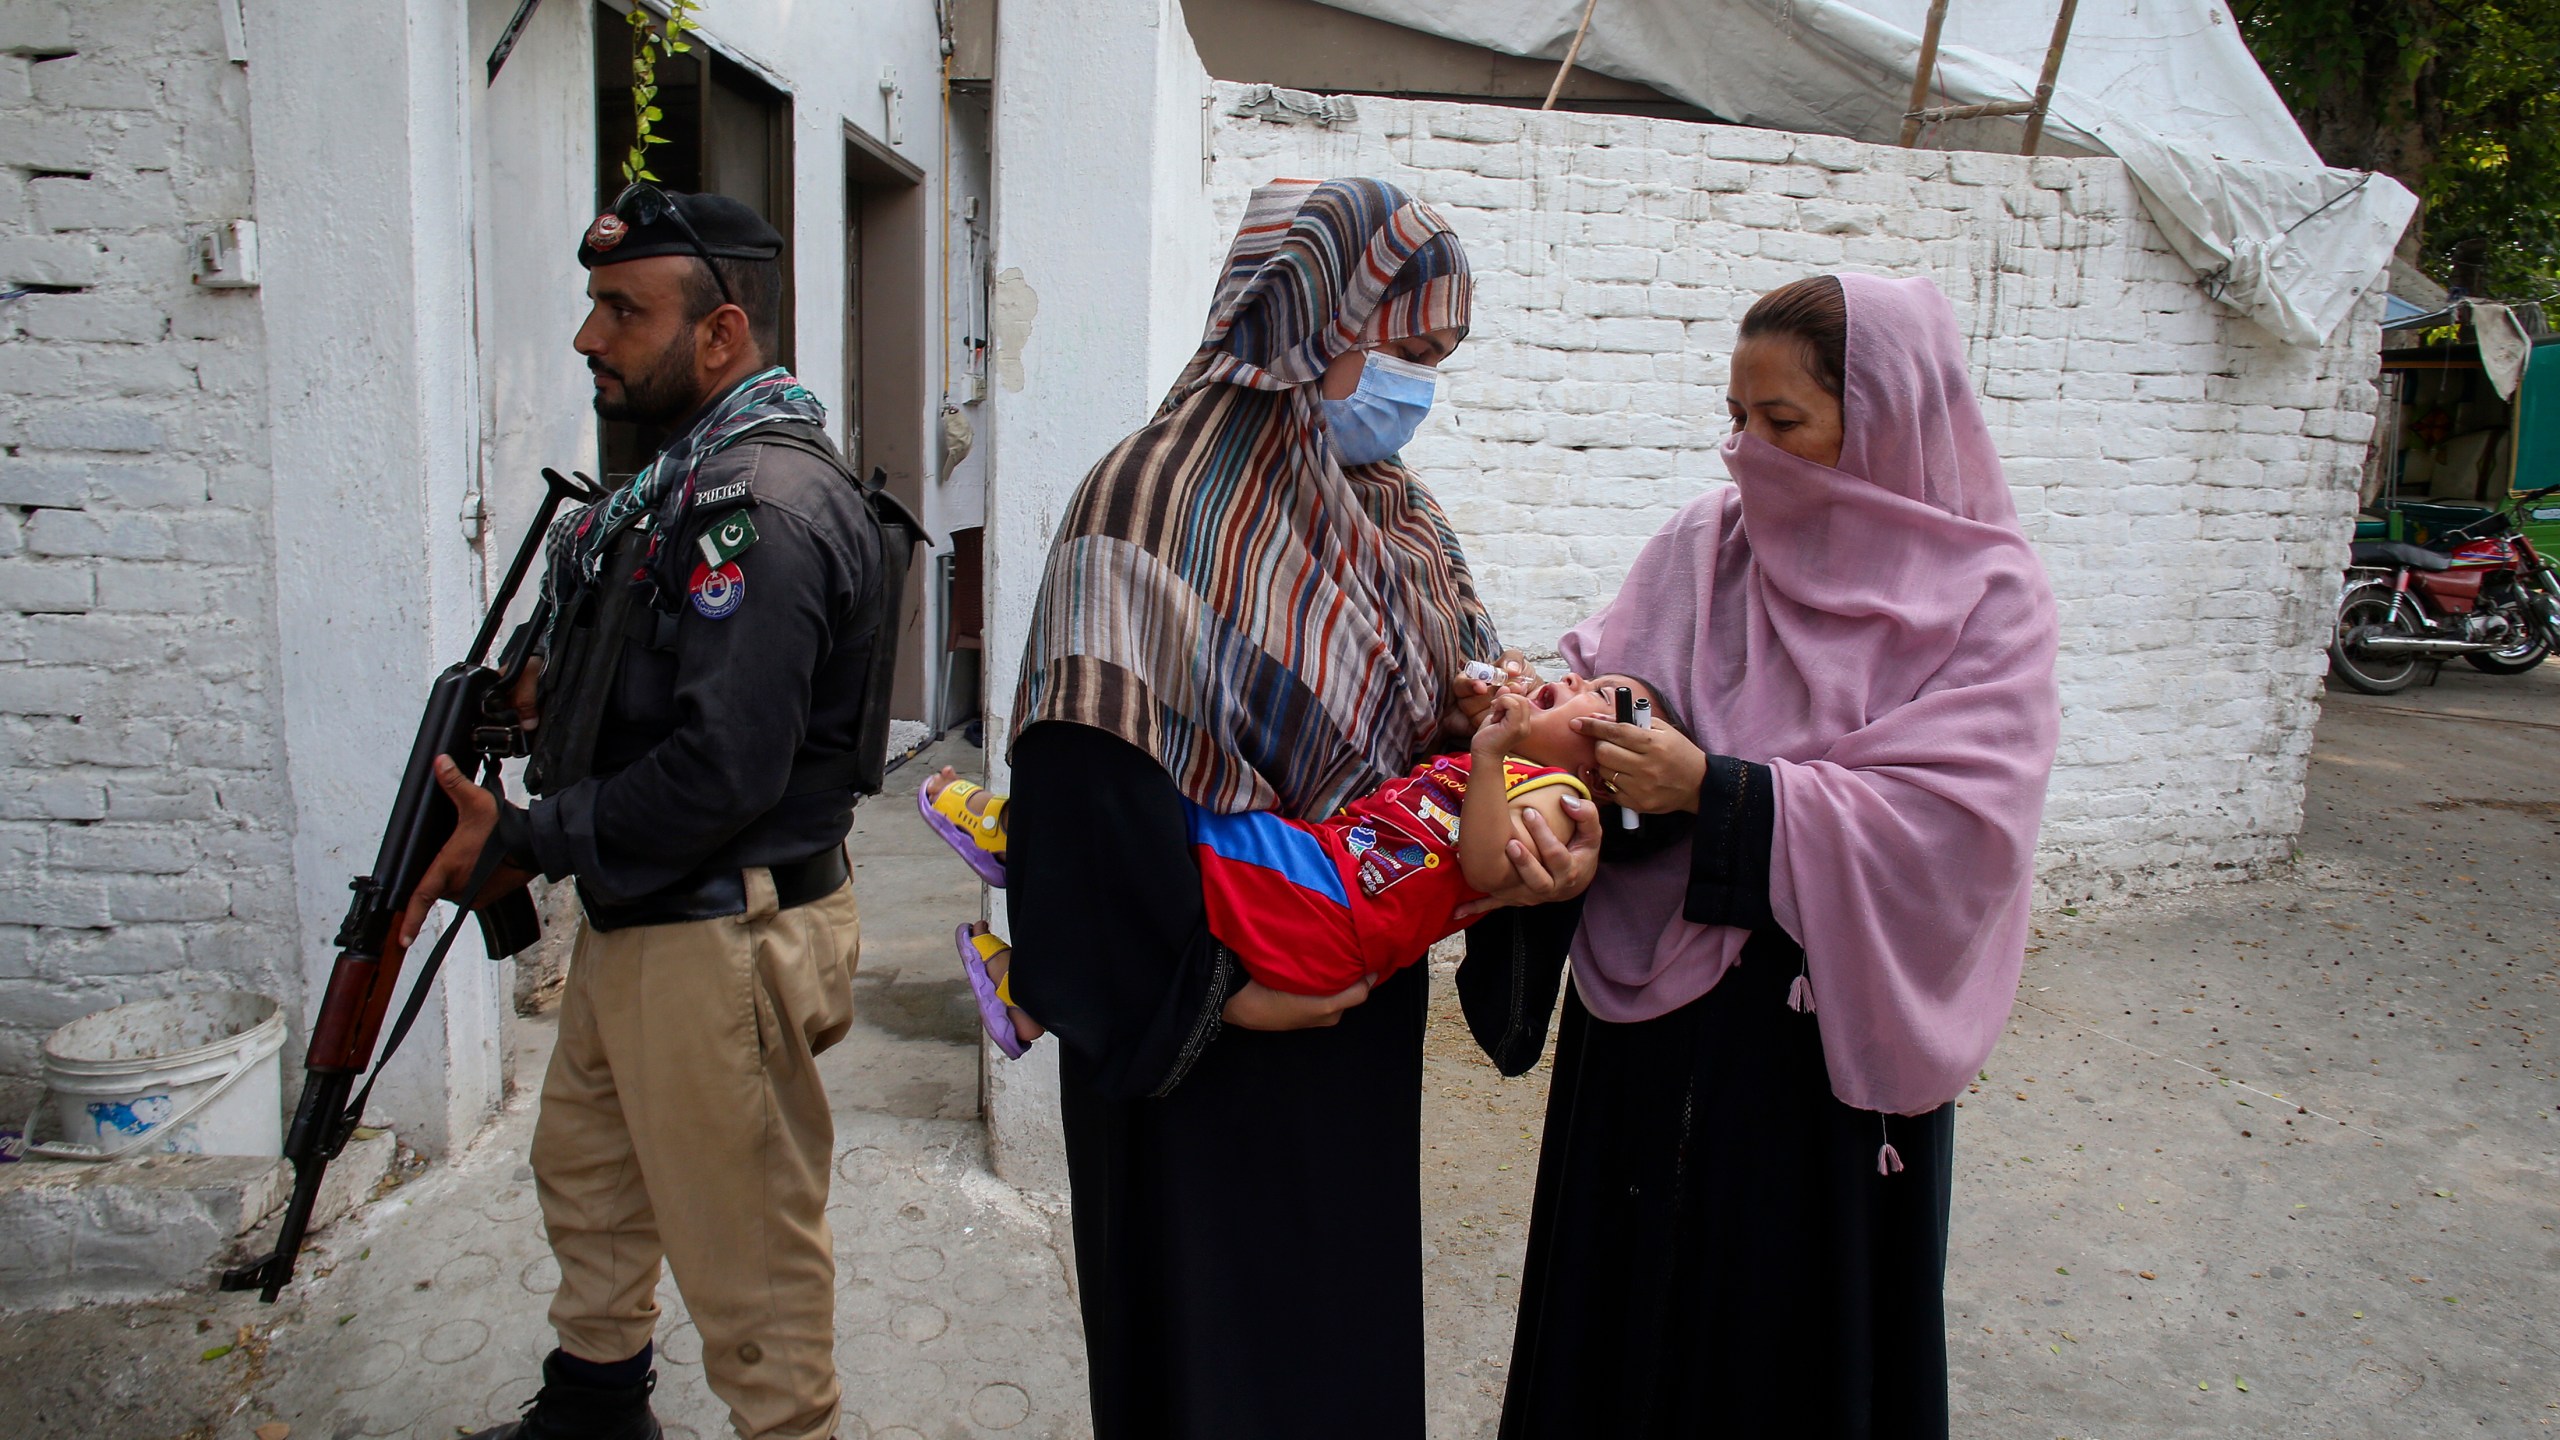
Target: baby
1314	908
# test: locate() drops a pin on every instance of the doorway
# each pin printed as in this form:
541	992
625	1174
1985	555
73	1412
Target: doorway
727	132
886	293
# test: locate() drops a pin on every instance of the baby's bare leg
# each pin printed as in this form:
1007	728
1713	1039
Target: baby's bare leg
976	804
1024	1027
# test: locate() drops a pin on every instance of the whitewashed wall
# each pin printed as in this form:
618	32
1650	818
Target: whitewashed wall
145	814
1102	217
232	544
2187	478
359	141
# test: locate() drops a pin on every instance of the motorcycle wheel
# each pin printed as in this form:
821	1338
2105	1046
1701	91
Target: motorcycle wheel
2365	609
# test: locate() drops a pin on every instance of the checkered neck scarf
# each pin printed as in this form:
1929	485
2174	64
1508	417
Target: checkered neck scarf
580	539
1277	630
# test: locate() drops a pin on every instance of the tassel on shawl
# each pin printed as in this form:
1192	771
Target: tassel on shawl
1888	1159
1800	994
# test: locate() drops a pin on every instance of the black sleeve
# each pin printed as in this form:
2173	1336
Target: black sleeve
514	836
1507	985
1111	940
1729	849
742	687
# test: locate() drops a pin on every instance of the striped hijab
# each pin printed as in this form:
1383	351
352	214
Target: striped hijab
1278	630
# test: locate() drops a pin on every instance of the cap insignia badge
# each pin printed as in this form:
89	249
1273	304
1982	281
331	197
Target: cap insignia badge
607	231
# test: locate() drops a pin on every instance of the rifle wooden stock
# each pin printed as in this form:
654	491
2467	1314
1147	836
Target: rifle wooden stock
351	1012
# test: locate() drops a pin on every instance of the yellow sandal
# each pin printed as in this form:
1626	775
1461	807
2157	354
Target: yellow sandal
977	947
979	839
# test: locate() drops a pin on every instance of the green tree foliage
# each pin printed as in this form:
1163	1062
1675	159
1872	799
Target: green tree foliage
2457	99
648	42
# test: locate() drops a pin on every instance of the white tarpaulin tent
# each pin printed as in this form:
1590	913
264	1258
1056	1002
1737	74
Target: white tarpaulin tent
2167	86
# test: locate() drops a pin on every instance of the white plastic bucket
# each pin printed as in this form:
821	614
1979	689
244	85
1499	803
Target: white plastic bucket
190	1075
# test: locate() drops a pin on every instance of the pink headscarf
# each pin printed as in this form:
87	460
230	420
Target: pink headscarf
1882	637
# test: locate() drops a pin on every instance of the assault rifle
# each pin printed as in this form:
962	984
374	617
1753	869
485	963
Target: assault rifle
469	716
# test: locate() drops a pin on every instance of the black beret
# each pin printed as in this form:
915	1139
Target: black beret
727	228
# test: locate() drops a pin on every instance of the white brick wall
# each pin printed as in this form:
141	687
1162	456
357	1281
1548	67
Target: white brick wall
2187	478
143	807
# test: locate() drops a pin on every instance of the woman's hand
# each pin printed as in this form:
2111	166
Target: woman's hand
1469	699
528	694
1551	869
1259	1007
1650	771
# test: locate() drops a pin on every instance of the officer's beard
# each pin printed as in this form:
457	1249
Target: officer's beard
660	395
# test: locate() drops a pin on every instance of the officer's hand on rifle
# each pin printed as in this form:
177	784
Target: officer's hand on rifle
524	696
476	817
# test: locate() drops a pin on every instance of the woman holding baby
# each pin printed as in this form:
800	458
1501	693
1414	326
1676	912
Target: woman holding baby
1250	606
1784	978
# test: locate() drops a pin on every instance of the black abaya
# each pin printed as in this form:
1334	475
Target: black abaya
1248	1212
1712	1250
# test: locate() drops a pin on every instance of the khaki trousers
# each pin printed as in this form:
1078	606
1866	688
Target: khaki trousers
682	1119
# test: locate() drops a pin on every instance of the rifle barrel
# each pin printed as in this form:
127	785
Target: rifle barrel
318	1132
555	488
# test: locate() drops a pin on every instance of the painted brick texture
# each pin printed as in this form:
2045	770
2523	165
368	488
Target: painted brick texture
144	819
2188	478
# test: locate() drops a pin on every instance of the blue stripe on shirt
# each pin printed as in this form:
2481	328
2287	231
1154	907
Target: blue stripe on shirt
1258	837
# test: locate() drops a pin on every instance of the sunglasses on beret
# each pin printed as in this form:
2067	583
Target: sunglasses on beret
642	203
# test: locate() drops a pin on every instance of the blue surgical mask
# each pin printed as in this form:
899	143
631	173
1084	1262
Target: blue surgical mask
1374	421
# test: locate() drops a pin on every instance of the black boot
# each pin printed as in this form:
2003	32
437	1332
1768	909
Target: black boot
567	1410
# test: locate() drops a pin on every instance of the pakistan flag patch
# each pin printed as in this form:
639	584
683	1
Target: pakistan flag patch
726	538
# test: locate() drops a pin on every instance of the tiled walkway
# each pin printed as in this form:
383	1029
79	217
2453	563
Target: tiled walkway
954	1314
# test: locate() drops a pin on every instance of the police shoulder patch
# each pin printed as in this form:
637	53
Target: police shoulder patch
718	590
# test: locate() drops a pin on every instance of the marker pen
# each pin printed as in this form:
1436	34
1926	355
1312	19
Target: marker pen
1639	713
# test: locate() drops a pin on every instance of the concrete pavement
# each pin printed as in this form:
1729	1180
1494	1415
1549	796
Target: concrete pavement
2266	1159
2272	1158
424	1315
952	1293
2281	1158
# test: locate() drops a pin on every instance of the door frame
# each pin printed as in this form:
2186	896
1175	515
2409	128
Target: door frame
889	315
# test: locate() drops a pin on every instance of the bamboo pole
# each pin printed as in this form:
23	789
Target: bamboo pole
1576	49
1928	68
1941	114
2044	83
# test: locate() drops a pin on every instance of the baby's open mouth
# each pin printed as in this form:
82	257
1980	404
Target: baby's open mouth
1545	696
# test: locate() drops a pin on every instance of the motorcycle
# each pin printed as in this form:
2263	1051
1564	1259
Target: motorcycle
2478	590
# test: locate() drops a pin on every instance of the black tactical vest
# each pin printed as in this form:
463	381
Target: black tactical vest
578	676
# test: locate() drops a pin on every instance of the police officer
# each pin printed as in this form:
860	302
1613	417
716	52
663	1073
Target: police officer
706	703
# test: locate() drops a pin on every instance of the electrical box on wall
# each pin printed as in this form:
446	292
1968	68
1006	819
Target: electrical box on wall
226	256
972	37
